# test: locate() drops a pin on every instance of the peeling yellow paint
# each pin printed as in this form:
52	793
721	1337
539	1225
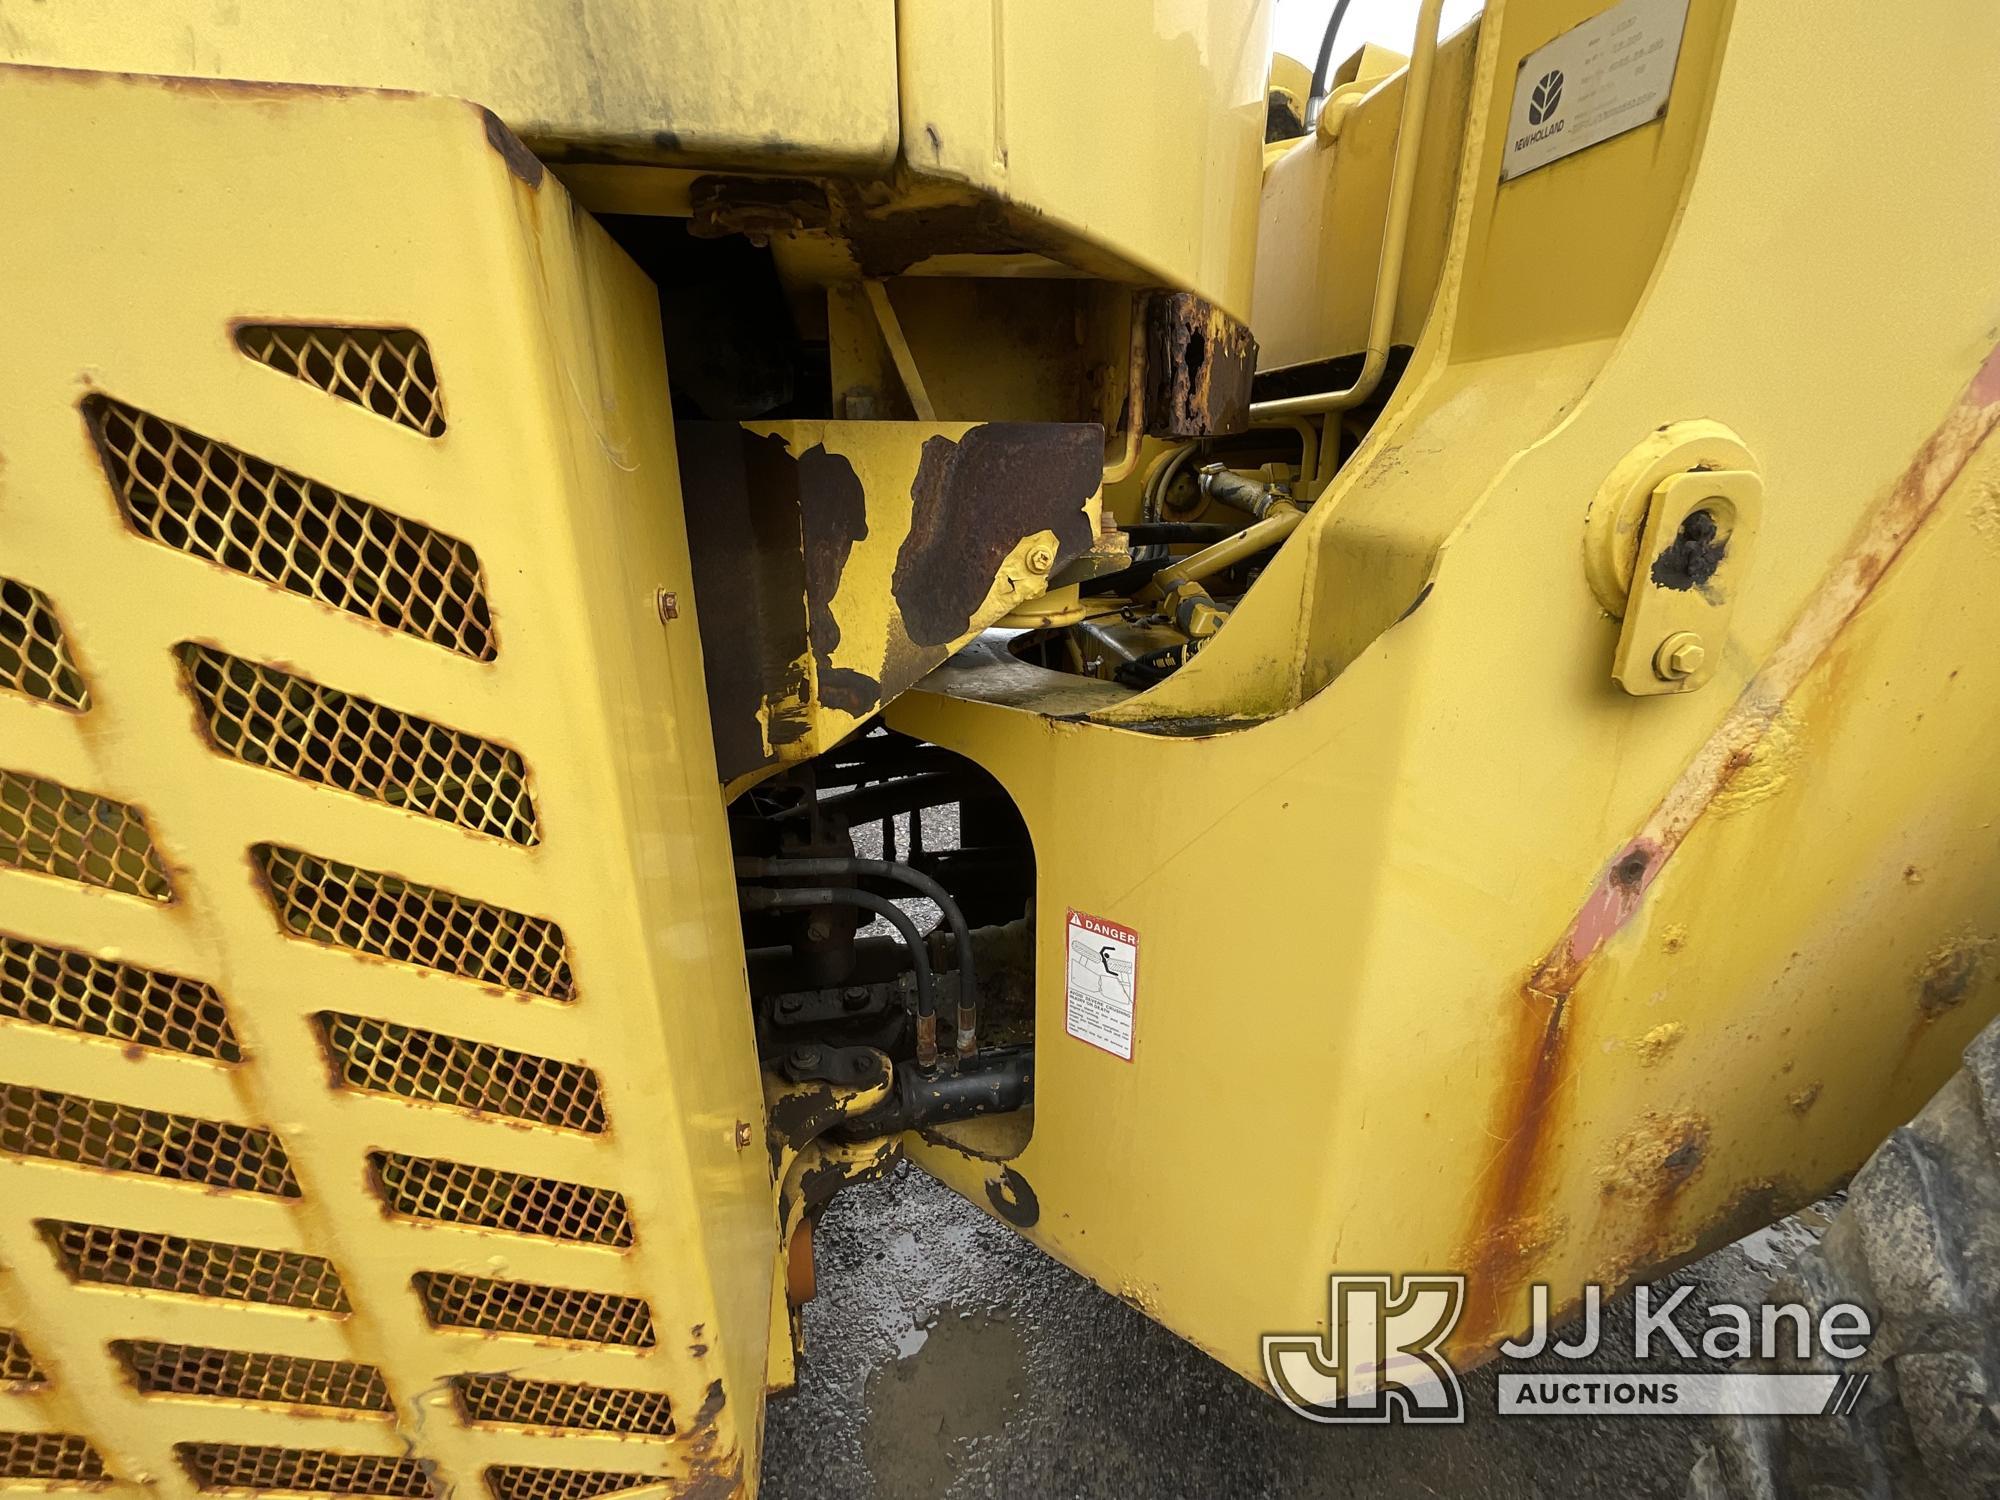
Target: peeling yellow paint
1661	1040
1769	767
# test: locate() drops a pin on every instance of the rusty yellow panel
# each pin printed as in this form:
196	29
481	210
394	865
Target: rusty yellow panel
841	561
377	1095
622	80
1137	126
1565	985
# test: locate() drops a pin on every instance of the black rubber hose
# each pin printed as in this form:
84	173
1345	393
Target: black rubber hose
907	794
766	898
1322	69
999	1083
916	880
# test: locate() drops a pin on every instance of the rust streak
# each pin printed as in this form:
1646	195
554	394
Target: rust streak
1494	1253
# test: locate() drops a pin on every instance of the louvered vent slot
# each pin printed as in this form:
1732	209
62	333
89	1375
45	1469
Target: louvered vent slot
104	1256
384	370
18	1370
421	1187
34	653
60	987
454	1300
202	497
326	901
49	1455
386	1058
556	1403
240	1375
237	1466
265	717
122	1138
521	1482
56	830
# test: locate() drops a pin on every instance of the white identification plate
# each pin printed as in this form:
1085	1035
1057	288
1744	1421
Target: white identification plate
1600	78
1103	983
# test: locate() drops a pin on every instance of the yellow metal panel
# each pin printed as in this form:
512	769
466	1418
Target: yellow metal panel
604	79
572	905
1472	961
1320	226
1138	125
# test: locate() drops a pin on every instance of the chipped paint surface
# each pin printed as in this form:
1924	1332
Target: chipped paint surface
1511	1181
1661	1040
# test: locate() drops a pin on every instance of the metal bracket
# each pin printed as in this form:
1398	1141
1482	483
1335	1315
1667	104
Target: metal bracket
1693	554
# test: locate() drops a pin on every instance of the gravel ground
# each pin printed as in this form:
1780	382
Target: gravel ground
947	1357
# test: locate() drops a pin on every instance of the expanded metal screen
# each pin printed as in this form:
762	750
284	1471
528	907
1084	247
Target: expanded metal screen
374	1062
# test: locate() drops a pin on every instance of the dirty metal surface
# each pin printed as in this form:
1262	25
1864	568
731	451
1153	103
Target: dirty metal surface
838	562
1200	362
591	85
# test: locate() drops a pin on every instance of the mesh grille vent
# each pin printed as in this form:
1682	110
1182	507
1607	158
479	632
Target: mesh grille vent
18	1369
386	1058
268	718
556	1403
122	1138
236	1466
190	1370
34	653
103	997
56	830
422	1187
454	1300
520	1482
205	498
329	902
385	370
49	1455
105	1256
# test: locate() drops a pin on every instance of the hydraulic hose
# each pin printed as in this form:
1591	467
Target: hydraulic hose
916	880
1323	67
792	898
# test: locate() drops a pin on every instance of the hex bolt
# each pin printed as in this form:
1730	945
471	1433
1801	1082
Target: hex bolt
1680	655
1041	557
818	930
790	1005
805	1057
668	603
854	998
742	1134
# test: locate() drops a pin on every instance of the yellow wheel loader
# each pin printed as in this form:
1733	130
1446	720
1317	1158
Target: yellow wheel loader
615	617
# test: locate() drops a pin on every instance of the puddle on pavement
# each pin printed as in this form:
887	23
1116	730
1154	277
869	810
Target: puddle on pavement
956	1379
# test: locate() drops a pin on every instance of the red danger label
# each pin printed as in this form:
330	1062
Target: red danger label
1103	983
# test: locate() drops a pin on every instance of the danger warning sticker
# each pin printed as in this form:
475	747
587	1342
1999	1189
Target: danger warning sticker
1103	983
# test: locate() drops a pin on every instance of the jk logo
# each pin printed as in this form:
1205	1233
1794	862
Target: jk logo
1381	1359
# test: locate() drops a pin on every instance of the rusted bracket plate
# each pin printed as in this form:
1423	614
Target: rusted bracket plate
1200	363
835	563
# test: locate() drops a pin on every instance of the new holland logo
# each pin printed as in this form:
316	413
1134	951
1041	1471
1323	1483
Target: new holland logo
1543	103
1547	95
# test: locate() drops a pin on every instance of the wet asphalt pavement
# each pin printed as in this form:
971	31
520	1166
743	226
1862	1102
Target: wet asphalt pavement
947	1357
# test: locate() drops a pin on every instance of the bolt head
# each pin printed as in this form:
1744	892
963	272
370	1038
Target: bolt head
1680	655
668	603
1041	557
